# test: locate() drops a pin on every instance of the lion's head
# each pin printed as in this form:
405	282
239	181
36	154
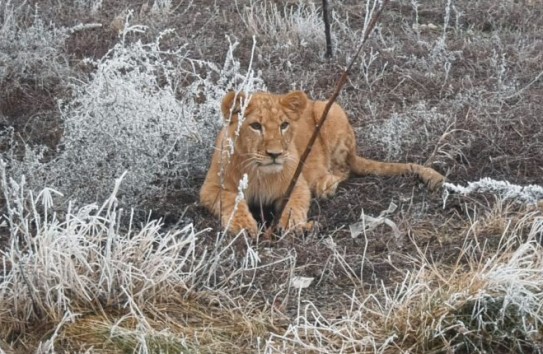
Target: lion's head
265	140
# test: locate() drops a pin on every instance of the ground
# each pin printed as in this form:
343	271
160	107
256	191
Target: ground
453	85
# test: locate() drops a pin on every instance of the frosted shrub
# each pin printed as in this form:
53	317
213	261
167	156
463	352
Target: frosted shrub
89	5
30	53
418	126
530	194
437	62
505	85
161	7
124	119
294	27
133	115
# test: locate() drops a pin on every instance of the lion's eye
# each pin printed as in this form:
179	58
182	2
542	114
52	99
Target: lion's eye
256	126
284	125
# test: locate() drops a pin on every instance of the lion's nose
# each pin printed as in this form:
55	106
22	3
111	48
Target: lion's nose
273	154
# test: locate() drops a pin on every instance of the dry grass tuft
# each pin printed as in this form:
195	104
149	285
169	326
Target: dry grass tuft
86	281
182	325
455	85
488	300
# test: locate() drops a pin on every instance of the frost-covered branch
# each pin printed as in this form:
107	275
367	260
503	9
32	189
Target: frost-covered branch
530	194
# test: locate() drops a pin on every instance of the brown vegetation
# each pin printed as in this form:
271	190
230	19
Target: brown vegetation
452	85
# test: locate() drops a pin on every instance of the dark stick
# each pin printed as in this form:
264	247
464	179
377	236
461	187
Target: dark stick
341	82
326	19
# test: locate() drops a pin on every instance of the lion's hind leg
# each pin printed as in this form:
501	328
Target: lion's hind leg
326	185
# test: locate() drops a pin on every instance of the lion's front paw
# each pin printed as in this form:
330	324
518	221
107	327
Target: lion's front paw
431	178
294	220
243	221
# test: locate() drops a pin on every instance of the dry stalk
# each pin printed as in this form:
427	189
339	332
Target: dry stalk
341	82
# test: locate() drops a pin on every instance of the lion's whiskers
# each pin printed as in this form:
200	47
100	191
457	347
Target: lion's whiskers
291	158
252	162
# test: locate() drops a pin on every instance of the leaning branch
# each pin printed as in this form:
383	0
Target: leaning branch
341	82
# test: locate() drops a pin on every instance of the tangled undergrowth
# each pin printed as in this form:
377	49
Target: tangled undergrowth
107	120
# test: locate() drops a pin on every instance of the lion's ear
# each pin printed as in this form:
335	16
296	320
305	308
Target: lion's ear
231	104
295	101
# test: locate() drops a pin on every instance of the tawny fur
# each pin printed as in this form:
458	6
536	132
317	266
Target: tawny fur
270	153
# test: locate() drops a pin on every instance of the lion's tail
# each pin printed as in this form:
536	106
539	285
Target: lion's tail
361	166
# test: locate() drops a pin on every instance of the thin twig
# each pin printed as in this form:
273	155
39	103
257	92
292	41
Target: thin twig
341	82
31	291
326	20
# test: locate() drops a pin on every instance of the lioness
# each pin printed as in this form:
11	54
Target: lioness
273	134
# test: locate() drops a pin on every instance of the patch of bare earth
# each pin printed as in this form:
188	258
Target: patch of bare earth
465	84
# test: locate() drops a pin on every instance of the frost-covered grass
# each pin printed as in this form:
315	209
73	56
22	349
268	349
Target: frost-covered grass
94	278
402	131
531	194
485	301
32	52
114	106
295	26
86	279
